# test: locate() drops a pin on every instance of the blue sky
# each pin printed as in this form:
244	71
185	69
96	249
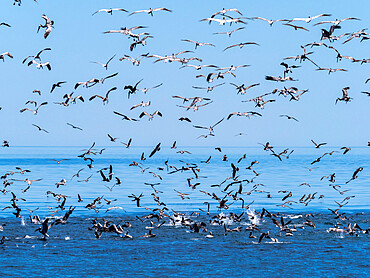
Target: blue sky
78	39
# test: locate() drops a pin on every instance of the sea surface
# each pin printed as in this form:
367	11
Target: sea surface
298	249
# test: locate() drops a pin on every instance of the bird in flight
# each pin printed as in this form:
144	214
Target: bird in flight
230	32
345	96
124	117
110	11
289	117
128	144
211	128
337	21
296	27
150	11
318	145
330	70
150	116
48	25
309	18
132	89
113	139
223	21
58	161
40	65
34	111
5	54
104	99
198	43
37	56
40	129
75	127
106	64
271	22
5	24
241	45
57	85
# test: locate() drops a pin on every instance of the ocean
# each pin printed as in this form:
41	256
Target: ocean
200	222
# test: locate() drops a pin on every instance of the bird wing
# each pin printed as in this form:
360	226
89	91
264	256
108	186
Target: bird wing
157	113
143	114
111	59
197	126
94	96
218	122
230	46
162	9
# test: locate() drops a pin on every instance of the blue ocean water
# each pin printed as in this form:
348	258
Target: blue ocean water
72	248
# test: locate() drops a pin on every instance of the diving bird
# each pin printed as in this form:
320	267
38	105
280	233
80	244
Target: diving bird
128	144
136	198
45	228
48	25
345	96
156	149
112	139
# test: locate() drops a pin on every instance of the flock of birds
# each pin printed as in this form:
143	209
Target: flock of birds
233	187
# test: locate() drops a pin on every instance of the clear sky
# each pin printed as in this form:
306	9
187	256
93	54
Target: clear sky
77	39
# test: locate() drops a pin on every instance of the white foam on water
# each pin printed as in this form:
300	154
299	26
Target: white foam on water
26	237
294	216
253	217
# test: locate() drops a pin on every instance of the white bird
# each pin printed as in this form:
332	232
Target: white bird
150	115
309	18
40	65
110	11
150	11
48	25
5	54
106	64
